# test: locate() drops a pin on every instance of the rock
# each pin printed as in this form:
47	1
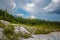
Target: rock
5	22
51	36
21	29
1	33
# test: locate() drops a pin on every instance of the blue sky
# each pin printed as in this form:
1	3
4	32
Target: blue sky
41	9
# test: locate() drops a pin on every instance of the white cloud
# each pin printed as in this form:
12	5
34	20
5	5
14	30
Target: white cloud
29	7
7	4
55	4
20	15
55	0
13	5
32	17
35	7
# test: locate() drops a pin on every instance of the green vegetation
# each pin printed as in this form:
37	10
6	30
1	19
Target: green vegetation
9	34
4	15
42	29
8	31
26	35
1	25
34	26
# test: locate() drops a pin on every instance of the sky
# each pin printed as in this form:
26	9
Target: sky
40	9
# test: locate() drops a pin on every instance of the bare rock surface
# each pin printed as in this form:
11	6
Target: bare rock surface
1	33
22	29
51	36
4	22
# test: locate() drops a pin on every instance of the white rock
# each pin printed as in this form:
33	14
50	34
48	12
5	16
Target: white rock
20	29
1	33
51	36
5	22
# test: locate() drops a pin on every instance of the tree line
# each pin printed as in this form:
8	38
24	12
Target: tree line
4	15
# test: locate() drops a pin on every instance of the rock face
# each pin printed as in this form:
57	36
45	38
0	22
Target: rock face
1	33
5	22
51	36
21	29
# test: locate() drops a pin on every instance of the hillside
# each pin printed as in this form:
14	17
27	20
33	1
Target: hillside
23	27
41	25
4	15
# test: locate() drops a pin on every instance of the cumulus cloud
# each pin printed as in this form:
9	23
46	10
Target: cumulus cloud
20	15
54	6
34	7
32	17
29	7
7	4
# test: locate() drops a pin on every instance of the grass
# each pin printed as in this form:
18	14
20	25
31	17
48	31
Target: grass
26	35
8	31
43	29
34	29
2	25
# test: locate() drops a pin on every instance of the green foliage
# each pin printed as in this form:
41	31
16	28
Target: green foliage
26	35
8	32
4	15
42	31
2	25
42	24
9	29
